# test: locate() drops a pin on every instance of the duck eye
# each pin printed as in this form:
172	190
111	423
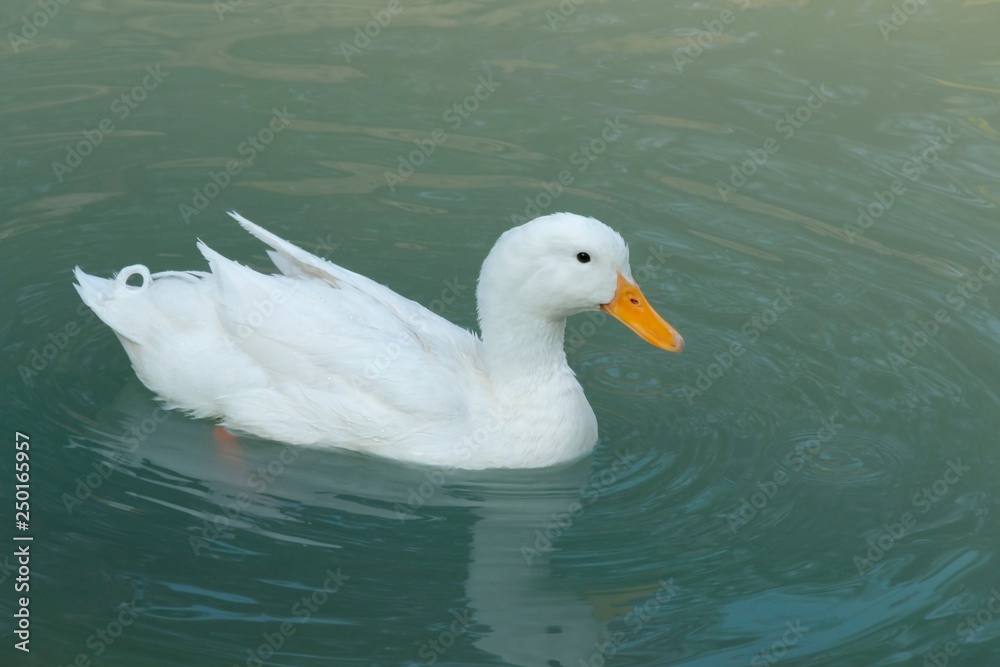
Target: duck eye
583	257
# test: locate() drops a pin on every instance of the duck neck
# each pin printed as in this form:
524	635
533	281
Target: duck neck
525	354
547	417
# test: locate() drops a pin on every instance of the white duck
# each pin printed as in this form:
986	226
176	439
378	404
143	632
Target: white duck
322	356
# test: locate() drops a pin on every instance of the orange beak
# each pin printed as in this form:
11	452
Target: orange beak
631	307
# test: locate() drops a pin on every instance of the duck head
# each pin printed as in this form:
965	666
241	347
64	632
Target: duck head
561	264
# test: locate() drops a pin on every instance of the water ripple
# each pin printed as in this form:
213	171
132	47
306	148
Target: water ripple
849	459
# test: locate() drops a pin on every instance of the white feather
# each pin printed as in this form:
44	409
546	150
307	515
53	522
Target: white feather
319	355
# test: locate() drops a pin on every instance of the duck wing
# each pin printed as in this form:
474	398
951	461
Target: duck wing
316	355
340	340
295	262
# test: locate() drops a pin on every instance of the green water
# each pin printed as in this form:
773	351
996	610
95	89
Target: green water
810	193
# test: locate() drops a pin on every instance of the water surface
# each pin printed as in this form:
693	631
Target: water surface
810	193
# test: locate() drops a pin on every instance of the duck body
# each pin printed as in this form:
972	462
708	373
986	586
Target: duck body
322	356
